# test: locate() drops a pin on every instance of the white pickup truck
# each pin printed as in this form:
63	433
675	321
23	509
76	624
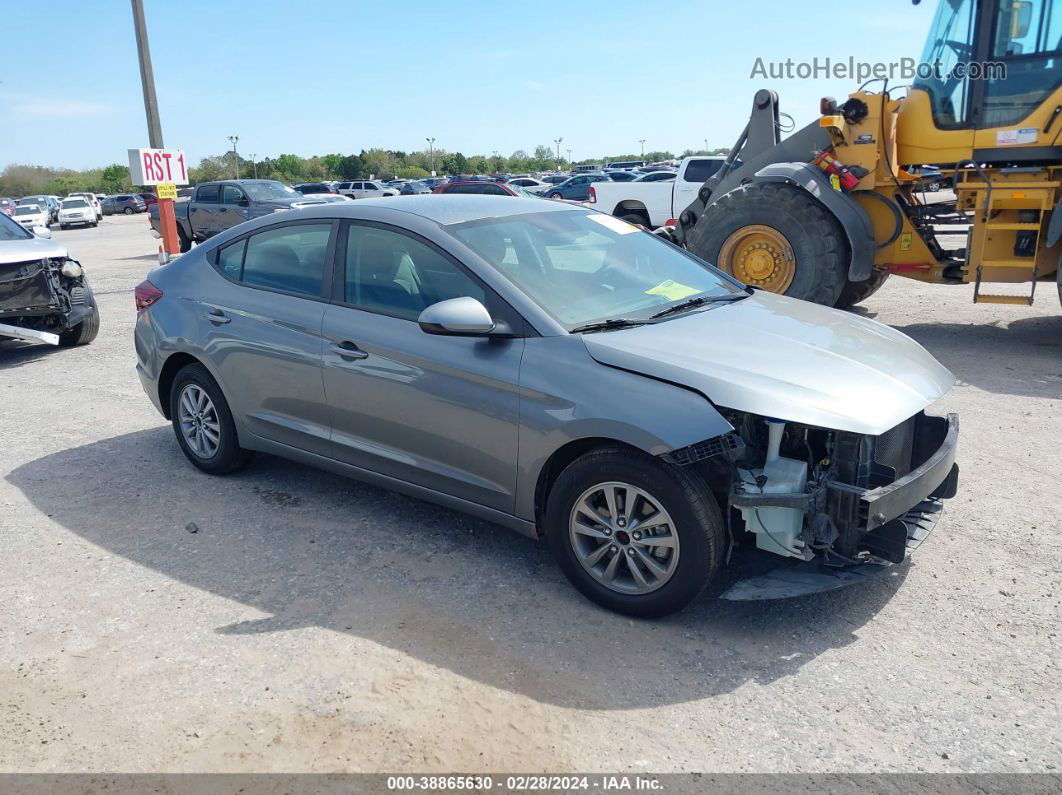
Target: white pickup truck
653	204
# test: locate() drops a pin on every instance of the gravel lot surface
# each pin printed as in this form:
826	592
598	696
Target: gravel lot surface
155	619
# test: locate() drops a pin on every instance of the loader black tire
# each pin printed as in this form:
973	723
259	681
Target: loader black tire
820	250
855	292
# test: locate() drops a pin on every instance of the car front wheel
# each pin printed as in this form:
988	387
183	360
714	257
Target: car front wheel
634	534
203	422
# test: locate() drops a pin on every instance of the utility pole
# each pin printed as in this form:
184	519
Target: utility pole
569	159
642	142
254	166
167	220
431	154
235	157
557	141
706	146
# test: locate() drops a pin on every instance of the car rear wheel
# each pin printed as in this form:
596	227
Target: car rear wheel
633	534
556	195
203	422
128	211
183	243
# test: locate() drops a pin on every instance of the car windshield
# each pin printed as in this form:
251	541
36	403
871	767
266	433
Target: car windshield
72	203
12	230
268	191
584	267
27	209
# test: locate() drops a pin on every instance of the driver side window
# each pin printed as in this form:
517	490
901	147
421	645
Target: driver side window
230	194
398	275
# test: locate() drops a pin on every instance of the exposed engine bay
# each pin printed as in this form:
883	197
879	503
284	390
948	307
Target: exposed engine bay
836	501
48	296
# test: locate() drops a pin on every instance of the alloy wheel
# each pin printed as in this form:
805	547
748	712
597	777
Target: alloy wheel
624	538
198	420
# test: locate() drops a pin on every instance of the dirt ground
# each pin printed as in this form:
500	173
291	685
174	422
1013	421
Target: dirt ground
155	619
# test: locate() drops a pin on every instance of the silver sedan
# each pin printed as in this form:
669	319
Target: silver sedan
560	372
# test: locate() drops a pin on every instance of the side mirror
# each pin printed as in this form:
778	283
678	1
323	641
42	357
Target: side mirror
461	317
244	202
42	231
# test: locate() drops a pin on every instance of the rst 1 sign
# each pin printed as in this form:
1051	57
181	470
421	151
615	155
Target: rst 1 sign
152	166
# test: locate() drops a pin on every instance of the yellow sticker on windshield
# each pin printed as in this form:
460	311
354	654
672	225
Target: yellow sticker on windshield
672	290
613	223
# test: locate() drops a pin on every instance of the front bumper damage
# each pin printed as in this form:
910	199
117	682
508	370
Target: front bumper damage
876	518
37	301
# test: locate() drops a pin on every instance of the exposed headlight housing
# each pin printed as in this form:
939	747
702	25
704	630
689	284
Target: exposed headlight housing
72	270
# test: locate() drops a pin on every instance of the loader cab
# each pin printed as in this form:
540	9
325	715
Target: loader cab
990	63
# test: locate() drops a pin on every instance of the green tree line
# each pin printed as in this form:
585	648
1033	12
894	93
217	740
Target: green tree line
22	180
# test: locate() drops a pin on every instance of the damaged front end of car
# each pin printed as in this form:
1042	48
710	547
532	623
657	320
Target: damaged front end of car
839	505
47	299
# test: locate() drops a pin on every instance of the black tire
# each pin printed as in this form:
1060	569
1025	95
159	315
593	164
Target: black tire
855	292
128	211
95	224
819	248
638	219
85	331
64	227
697	523
183	243
556	196
229	457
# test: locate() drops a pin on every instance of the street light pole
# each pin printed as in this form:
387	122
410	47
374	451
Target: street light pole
235	157
431	154
254	166
557	141
642	142
706	146
569	159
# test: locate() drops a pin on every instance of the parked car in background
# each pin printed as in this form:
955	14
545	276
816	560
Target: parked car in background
32	216
149	198
365	189
530	184
622	176
77	211
217	206
482	188
44	294
126	203
310	188
654	203
929	177
657	176
432	182
97	208
576	188
322	198
556	179
413	188
7	206
44	201
545	367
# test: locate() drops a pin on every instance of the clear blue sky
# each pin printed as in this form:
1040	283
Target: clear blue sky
330	76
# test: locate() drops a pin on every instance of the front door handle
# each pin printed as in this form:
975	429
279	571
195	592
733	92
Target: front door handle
348	350
217	317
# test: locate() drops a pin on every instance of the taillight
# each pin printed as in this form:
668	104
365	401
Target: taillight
146	294
593	195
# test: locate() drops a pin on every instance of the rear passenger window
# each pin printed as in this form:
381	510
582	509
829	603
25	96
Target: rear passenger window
208	194
230	260
290	258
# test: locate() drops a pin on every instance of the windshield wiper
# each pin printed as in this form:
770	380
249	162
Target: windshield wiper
700	301
608	325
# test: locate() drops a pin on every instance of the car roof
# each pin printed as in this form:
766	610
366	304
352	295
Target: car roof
446	209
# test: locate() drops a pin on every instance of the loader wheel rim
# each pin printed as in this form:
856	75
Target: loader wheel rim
759	255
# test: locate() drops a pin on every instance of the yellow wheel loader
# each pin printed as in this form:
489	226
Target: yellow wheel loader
828	213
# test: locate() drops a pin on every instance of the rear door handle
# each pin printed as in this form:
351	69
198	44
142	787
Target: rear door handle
348	350
218	318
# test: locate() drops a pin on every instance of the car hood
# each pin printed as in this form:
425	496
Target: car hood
28	250
785	358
